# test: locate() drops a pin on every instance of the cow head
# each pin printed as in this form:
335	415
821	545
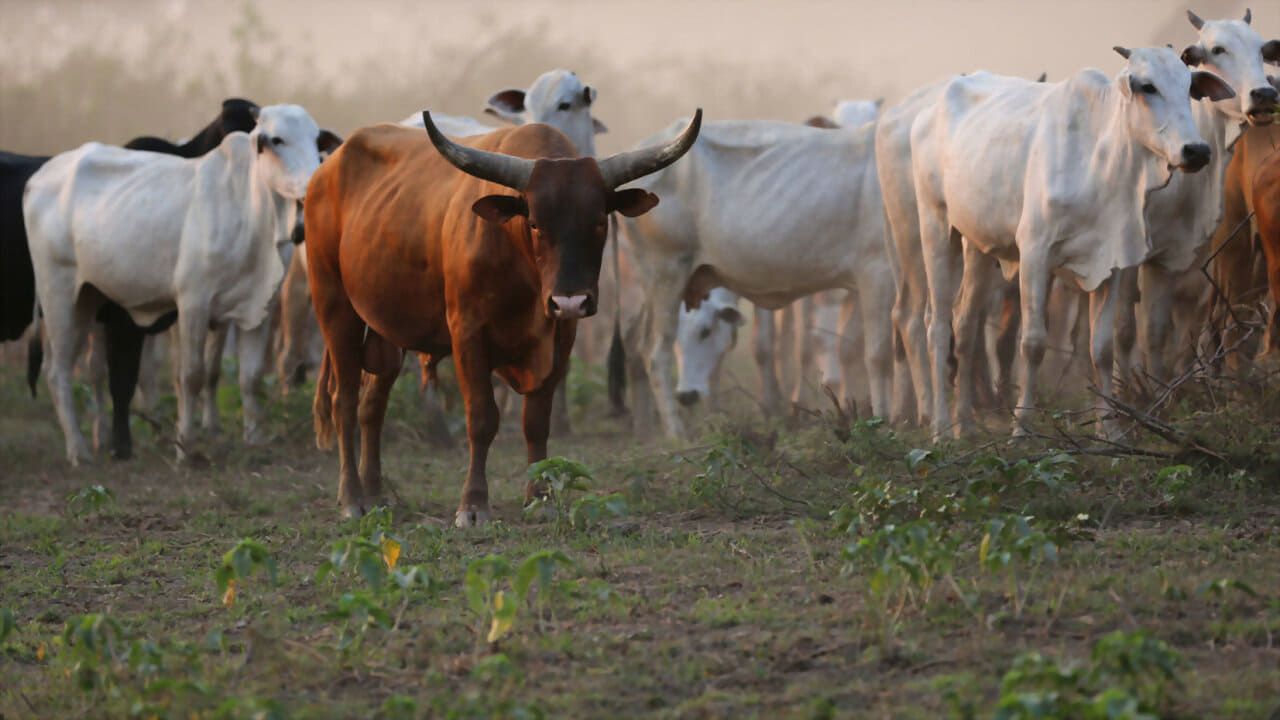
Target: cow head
565	204
855	113
704	336
557	98
1157	89
290	146
238	115
1233	50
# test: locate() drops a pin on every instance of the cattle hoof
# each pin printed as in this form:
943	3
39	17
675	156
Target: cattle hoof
352	512
471	518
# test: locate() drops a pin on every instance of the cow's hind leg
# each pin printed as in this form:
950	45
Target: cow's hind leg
764	342
193	327
124	358
213	346
1102	314
66	321
979	273
1033	285
95	376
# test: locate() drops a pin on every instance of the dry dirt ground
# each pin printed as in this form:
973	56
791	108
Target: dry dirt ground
802	567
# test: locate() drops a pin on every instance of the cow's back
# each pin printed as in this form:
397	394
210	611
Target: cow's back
763	201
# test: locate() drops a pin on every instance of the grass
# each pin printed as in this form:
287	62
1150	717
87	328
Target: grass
728	587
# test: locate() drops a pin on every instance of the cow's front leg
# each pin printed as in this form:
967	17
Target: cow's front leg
664	301
979	273
251	350
476	383
372	413
193	326
1033	283
1158	287
1102	315
764	343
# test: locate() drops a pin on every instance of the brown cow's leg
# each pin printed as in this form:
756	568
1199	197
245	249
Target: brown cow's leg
476	383
537	425
373	411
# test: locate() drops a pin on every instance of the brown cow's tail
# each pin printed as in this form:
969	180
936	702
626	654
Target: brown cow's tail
323	406
617	361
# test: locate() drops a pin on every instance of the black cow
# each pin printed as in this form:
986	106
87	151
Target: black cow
124	337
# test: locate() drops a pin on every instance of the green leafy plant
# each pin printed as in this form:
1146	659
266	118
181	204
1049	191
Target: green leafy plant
360	611
238	564
561	480
904	562
90	500
496	591
1011	541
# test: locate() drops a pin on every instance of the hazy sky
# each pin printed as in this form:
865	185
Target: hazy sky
893	45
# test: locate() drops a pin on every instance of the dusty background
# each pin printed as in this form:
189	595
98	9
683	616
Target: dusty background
109	70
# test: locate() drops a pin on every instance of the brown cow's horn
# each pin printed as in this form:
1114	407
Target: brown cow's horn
500	168
624	167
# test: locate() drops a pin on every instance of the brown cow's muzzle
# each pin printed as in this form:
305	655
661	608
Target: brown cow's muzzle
572	307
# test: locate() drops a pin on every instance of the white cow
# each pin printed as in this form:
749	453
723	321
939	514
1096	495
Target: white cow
1047	178
705	335
155	233
1183	217
773	212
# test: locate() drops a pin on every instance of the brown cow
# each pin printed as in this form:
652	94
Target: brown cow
404	252
1266	205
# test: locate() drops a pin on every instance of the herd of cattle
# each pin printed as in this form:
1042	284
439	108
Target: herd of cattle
980	205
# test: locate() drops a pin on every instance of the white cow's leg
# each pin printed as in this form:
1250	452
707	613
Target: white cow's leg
149	372
853	352
193	327
1102	313
214	342
253	347
785	352
1033	286
943	257
1126	325
66	323
1158	287
95	365
803	393
763	344
875	301
910	317
975	293
664	299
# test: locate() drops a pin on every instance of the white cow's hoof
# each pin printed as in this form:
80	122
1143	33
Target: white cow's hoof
79	457
255	436
471	518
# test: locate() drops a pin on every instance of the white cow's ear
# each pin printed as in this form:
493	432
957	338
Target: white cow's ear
1207	85
1125	84
507	105
731	315
1193	55
599	127
1271	52
588	95
264	142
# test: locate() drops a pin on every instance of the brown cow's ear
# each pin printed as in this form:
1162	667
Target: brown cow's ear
633	202
500	208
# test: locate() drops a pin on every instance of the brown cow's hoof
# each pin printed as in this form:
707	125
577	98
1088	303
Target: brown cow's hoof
471	518
352	512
